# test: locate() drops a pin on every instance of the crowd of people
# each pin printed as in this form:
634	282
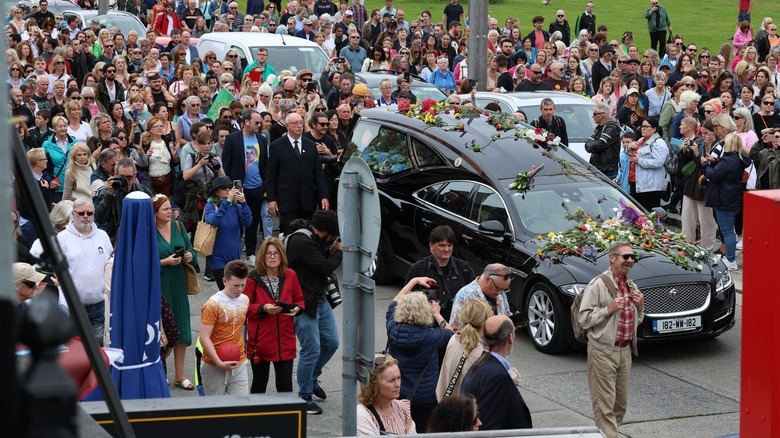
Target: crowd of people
102	114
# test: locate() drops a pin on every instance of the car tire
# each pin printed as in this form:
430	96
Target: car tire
548	322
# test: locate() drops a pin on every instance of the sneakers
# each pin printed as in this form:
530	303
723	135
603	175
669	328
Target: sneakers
318	391
739	245
312	408
732	266
208	275
250	261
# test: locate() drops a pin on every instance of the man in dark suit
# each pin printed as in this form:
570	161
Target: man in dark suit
244	158
501	406
295	180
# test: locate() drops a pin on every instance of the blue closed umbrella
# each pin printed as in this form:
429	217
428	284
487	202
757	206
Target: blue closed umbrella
135	303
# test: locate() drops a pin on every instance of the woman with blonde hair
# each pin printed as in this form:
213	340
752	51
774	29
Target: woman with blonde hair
463	348
77	177
379	410
414	340
122	75
606	96
162	154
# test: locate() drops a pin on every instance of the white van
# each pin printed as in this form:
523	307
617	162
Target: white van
284	52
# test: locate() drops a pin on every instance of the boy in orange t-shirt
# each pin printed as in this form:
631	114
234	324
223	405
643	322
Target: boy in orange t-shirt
222	321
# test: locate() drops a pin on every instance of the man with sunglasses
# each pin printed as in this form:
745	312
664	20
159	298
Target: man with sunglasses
87	249
490	286
612	308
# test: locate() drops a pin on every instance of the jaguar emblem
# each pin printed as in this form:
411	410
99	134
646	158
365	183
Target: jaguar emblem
673	293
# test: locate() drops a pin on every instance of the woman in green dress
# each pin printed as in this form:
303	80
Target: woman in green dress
170	237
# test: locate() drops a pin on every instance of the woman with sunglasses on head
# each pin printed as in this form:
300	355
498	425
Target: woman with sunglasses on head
650	157
414	340
380	412
101	131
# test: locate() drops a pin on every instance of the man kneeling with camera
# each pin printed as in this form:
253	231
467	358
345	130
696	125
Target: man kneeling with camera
108	211
314	251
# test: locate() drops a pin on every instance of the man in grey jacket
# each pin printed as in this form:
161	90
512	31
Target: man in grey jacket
604	145
612	308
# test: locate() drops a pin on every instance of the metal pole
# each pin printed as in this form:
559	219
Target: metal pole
350	238
477	59
102	8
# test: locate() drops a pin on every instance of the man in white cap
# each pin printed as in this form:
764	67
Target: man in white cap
307	32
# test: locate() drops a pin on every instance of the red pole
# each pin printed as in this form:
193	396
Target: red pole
760	383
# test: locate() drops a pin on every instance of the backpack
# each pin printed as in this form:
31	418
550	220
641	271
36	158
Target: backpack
580	333
304	231
671	160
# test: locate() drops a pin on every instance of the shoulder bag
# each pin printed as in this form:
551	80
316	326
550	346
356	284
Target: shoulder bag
205	235
190	274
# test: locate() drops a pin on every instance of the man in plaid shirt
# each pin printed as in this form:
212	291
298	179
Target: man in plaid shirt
612	307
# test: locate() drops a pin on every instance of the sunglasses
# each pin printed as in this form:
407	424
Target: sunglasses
324	125
122	137
15	69
379	360
84	213
108	46
319	108
536	72
228	69
737	117
75	98
506	277
768	102
628	256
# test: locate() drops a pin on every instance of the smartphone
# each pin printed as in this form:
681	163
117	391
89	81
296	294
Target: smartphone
178	251
311	87
432	292
286	307
237	184
407	76
472	83
135	114
340	60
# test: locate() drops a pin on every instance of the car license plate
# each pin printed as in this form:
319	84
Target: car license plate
677	324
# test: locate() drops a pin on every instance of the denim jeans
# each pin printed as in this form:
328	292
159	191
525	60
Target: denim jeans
268	221
726	223
319	339
97	317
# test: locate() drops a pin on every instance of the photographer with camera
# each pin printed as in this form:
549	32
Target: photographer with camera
314	251
108	211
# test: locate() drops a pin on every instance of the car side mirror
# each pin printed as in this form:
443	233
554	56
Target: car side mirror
492	227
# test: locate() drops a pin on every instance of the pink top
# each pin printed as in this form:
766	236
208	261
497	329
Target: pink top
395	423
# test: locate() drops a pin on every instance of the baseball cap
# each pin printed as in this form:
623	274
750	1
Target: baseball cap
95	21
25	272
348	12
632	91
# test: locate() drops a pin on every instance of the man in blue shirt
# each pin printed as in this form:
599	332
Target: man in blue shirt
354	53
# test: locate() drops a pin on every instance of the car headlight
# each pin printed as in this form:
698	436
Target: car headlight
573	289
725	281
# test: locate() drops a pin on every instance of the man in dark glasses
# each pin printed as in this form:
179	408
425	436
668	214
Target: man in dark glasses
611	309
450	273
490	286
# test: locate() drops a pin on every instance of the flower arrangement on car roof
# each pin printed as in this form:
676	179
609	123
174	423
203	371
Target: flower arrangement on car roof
593	236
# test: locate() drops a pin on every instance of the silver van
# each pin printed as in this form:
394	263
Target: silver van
284	52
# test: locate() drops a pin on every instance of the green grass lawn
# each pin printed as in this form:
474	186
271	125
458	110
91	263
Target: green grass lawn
706	23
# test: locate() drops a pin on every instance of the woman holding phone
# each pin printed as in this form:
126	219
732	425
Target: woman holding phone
275	298
228	211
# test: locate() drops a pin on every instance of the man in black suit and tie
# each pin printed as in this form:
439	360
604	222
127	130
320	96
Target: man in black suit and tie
501	406
295	181
244	158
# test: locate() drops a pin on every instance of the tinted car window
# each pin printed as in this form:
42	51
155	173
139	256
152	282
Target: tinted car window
454	197
545	208
294	58
428	193
578	118
385	150
424	155
488	206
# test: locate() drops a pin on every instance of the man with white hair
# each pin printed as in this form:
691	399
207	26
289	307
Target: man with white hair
560	24
489	286
87	250
238	17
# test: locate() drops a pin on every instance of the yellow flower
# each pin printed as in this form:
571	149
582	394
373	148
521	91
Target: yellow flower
589	220
648	244
601	233
538	237
457	115
550	234
539	252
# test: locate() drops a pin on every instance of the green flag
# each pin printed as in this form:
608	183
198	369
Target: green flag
223	99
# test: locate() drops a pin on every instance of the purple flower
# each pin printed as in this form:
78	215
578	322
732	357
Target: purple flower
628	213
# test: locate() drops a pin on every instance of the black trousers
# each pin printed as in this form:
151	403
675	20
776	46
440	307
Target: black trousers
658	42
649	200
254	200
261	372
285	217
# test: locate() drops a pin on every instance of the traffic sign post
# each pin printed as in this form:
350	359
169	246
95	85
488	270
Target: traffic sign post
359	226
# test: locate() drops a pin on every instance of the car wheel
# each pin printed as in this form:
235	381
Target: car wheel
547	321
378	269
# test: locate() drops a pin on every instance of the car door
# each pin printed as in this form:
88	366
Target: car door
450	206
483	100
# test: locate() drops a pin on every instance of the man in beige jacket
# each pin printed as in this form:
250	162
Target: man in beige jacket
612	307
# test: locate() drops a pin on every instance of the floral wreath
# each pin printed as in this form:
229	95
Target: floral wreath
593	236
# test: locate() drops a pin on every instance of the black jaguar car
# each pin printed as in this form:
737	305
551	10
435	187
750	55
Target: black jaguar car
456	171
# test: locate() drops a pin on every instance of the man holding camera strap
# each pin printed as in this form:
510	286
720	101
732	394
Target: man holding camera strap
108	210
314	258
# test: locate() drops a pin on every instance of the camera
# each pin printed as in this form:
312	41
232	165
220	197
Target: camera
214	164
119	182
432	292
332	292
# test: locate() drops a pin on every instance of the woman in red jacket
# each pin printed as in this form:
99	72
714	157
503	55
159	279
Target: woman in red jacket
167	20
275	297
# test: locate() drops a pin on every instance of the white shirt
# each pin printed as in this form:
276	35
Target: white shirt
300	143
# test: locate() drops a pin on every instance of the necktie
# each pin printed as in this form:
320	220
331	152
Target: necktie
297	151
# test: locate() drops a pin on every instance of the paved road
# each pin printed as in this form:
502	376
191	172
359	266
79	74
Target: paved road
686	389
